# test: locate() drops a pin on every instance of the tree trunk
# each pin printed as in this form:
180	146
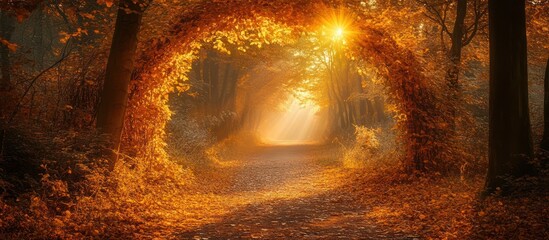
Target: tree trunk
452	74
379	109
114	97
510	141
213	72
38	39
6	30
545	141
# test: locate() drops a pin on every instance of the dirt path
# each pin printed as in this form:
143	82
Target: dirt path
282	192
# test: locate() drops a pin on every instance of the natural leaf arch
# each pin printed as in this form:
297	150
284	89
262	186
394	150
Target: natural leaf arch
421	121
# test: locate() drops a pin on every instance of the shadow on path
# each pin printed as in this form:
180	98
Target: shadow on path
325	216
291	194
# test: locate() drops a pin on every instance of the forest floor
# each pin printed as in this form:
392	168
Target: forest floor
304	192
286	192
281	192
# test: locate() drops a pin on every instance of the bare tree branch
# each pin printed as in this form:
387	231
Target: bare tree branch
16	109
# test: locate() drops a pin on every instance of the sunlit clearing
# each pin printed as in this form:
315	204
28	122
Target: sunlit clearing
297	123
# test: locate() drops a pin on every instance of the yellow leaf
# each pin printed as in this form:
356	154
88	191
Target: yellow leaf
87	15
11	46
58	223
108	3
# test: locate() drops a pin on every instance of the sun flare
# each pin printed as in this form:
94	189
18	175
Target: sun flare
338	33
338	24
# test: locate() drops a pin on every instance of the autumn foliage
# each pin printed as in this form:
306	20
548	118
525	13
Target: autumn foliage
409	163
421	114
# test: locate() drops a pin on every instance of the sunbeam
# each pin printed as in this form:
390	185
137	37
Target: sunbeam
296	123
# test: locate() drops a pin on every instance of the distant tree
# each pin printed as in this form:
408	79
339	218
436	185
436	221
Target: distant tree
11	11
7	27
114	97
545	141
19	8
510	140
461	33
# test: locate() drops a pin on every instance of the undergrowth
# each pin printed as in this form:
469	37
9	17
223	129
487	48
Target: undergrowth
449	206
66	191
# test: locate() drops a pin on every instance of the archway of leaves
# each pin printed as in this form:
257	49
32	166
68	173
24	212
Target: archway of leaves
162	69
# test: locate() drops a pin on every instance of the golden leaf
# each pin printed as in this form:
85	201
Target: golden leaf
11	46
107	3
87	15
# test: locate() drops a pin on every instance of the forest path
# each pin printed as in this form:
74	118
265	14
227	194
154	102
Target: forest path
287	192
